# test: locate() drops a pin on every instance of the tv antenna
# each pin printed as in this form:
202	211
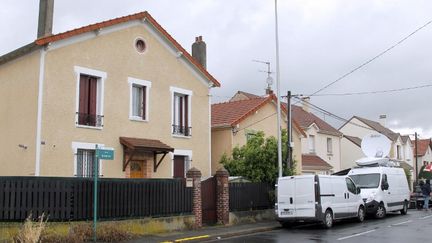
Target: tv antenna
269	79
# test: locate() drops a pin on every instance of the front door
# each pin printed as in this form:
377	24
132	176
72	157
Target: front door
179	166
136	169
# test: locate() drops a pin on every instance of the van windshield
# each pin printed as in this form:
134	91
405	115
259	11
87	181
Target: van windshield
366	180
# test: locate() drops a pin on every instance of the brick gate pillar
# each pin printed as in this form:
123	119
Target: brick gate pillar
222	196
195	174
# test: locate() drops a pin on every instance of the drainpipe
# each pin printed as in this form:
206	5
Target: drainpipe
39	111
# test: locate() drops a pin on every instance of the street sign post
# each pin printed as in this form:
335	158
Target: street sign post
105	153
101	154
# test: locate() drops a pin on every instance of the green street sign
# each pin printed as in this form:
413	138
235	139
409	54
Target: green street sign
105	153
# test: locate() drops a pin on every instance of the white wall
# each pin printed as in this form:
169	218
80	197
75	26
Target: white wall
355	131
408	153
334	158
349	154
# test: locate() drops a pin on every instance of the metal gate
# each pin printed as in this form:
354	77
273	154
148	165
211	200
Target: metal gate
208	199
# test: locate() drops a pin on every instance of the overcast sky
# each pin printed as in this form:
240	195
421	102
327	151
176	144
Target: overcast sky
320	40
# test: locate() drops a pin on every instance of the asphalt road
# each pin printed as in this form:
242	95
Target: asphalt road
414	227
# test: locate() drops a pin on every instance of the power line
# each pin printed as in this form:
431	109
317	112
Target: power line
372	59
376	92
334	116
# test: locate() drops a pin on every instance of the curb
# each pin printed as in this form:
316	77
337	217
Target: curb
209	238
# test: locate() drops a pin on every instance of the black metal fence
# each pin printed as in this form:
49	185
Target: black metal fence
65	199
250	196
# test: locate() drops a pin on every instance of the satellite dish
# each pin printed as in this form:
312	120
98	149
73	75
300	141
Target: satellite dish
376	145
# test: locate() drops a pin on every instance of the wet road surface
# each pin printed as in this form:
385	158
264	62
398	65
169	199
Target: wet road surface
414	227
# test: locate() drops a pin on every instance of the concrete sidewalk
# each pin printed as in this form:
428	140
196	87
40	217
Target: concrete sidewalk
209	233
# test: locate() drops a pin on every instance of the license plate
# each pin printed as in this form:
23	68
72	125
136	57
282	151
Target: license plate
286	212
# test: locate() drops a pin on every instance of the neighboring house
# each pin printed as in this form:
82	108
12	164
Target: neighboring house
357	127
321	152
241	95
234	122
124	83
424	152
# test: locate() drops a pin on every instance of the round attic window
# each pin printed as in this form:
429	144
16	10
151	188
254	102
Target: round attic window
140	45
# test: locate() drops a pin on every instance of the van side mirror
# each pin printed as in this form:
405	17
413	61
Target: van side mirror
385	186
358	190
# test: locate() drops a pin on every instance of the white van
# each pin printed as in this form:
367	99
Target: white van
383	189
317	198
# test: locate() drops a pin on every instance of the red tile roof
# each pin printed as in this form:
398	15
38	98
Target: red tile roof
423	144
231	113
314	161
305	119
142	15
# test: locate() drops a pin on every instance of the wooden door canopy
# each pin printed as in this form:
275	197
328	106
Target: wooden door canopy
132	146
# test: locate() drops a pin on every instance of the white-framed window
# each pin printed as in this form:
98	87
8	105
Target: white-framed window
399	152
311	143
329	146
89	97
84	159
139	92
181	112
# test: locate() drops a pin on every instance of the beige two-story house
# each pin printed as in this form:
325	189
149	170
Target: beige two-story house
235	121
124	84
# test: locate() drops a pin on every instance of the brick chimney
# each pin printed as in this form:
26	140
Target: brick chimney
46	11
269	91
199	51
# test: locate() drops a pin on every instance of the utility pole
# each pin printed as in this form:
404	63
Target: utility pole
289	131
278	94
416	159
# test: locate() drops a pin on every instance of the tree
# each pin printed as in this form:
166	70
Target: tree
257	160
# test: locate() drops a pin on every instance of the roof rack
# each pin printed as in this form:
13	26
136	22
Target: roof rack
377	162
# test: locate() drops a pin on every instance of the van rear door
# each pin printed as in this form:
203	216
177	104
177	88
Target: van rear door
285	197
305	197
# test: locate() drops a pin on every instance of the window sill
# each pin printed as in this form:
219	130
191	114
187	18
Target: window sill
88	127
133	118
180	136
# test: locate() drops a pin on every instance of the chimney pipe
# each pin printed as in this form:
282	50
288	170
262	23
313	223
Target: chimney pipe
46	11
199	51
382	120
305	103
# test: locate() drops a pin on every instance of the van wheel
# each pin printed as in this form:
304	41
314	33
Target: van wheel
361	214
328	219
381	211
404	210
